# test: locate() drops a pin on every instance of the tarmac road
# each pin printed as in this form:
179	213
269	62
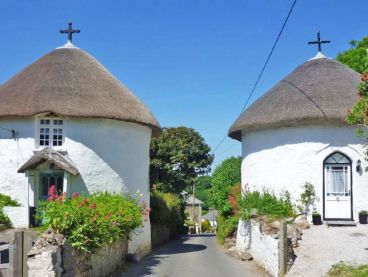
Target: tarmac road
192	256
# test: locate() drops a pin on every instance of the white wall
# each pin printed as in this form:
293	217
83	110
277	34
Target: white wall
263	248
110	155
285	158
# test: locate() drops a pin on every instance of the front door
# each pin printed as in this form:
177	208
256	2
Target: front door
337	187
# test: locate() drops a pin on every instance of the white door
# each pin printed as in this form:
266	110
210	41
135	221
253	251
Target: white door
337	190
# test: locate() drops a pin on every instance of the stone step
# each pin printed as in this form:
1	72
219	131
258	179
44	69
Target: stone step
340	223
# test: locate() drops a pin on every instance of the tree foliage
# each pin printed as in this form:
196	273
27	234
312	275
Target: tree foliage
178	156
357	59
202	190
224	177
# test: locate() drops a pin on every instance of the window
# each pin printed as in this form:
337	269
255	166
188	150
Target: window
51	132
48	180
337	175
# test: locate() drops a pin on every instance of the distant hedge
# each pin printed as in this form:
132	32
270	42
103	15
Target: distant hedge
167	209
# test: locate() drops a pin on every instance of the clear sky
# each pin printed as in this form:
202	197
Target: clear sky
193	62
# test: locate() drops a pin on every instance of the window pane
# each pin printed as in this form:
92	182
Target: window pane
59	184
44	184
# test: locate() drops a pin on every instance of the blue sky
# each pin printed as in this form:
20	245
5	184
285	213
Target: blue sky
193	62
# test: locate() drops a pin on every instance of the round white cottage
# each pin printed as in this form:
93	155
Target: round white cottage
65	120
297	133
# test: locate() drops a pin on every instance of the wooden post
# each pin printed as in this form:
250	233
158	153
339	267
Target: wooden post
18	254
283	249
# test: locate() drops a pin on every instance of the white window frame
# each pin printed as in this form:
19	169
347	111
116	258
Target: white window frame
52	126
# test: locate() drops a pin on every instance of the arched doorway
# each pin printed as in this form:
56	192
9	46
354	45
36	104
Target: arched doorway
337	187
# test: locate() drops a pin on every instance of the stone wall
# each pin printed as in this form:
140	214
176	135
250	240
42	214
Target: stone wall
262	247
52	256
160	234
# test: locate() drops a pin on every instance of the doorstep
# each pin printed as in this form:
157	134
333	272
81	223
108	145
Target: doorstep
340	223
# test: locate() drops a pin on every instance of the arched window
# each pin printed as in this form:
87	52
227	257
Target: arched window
337	175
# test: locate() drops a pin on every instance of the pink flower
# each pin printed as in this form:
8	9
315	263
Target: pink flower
115	223
75	195
93	205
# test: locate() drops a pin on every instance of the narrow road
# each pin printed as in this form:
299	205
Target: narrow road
192	256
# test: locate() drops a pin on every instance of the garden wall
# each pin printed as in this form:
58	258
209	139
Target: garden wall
160	234
61	259
19	216
262	247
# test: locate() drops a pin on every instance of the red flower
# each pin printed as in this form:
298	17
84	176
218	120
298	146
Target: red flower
93	206
60	199
83	202
75	195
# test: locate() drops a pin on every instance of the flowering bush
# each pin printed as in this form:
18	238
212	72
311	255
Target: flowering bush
88	222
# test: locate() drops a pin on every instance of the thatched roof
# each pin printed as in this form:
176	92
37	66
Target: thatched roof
70	82
320	91
59	159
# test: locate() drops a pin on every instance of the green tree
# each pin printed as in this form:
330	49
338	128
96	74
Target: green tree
202	189
178	156
224	177
357	59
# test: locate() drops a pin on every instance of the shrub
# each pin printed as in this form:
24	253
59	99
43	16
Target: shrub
226	228
363	212
167	209
88	222
6	201
345	270
224	177
266	204
307	199
206	226
235	194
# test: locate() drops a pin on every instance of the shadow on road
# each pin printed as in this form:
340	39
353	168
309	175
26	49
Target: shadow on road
149	263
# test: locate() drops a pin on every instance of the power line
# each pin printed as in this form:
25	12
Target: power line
263	68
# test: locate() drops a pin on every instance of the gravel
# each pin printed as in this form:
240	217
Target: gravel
323	246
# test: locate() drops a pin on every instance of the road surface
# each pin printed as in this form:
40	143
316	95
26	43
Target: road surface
192	256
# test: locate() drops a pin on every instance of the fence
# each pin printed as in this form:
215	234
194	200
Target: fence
14	246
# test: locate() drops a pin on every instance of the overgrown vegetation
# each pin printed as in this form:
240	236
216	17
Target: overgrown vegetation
6	201
168	210
89	222
224	197
345	270
226	228
266	204
224	177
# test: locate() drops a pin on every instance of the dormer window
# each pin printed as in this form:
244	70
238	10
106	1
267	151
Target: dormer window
51	132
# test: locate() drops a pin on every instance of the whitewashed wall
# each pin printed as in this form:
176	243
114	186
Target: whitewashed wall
263	248
285	158
110	155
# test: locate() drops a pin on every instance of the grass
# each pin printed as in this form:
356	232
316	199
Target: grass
342	269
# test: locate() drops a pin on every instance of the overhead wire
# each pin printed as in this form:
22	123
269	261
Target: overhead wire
263	68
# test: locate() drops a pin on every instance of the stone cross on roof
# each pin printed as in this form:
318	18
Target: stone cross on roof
319	41
69	31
